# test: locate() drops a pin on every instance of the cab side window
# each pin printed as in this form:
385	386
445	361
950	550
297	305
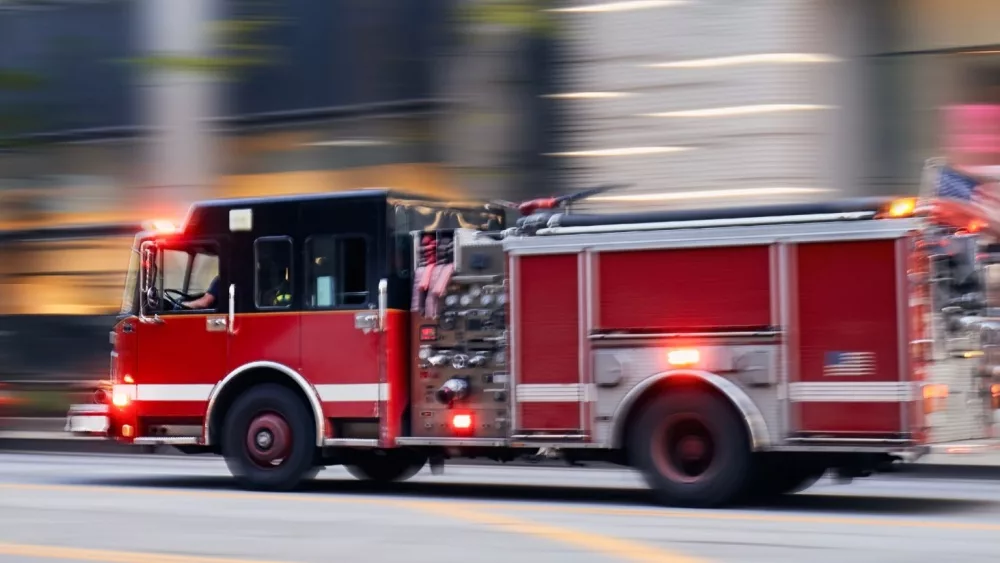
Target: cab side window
204	270
185	276
273	273
336	272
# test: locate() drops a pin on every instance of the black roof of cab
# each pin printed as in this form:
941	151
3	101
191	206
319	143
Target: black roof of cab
211	216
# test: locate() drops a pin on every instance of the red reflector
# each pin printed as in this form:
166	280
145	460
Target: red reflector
461	421
428	333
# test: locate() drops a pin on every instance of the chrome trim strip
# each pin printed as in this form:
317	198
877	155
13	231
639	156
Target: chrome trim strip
703	238
784	350
528	437
167	441
583	345
563	444
350	442
306	387
855	440
478	278
453	442
737	222
755	422
514	335
89	409
593	287
660	335
774	292
844	446
554	392
854	392
902	318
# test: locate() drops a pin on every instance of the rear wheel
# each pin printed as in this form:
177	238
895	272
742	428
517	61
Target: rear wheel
692	449
384	466
269	439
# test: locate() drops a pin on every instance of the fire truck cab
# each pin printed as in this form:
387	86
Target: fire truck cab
722	352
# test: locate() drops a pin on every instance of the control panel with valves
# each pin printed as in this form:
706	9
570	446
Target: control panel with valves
459	384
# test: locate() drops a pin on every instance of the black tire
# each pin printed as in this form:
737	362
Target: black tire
717	476
801	482
299	463
385	466
778	475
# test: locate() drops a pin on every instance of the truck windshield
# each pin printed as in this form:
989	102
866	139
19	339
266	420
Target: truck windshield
131	281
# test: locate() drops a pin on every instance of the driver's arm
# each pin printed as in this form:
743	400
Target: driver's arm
205	301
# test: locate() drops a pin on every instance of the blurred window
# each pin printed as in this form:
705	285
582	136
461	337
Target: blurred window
337	272
273	273
204	269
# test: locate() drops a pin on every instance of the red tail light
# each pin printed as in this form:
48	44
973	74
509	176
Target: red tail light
428	333
461	422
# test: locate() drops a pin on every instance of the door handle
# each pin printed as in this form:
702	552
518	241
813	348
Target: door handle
215	324
366	321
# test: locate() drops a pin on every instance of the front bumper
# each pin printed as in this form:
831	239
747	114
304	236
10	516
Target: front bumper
88	420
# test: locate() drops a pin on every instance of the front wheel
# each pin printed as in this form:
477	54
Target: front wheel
692	448
269	439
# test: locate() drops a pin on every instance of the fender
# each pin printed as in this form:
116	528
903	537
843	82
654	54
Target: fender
760	438
295	376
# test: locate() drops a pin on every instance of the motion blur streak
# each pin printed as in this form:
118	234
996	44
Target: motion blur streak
77	554
617	548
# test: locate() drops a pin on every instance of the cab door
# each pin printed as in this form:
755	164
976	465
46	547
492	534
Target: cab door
182	350
341	272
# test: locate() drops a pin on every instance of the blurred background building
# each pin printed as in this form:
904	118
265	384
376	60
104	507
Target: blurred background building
117	111
780	100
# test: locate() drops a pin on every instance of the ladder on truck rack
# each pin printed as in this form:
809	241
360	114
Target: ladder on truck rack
859	209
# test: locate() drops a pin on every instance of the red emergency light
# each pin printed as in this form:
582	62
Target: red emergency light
461	423
160	226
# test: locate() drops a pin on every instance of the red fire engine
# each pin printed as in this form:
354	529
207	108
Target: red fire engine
722	352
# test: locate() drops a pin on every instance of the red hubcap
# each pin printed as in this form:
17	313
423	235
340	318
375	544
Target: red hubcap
683	448
269	439
692	448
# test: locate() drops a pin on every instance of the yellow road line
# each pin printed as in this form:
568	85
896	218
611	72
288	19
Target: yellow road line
456	510
721	516
107	556
614	547
742	516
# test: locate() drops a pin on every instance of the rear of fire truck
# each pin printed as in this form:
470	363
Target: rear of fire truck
724	353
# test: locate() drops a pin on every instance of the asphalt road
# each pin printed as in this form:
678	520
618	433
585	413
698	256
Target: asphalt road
132	509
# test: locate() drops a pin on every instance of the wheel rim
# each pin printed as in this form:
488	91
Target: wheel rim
684	448
268	440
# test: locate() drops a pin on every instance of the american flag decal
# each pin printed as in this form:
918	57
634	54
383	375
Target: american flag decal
849	364
983	193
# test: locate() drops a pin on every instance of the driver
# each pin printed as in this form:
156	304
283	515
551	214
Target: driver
208	300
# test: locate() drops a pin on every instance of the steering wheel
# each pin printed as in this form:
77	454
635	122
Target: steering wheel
177	302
